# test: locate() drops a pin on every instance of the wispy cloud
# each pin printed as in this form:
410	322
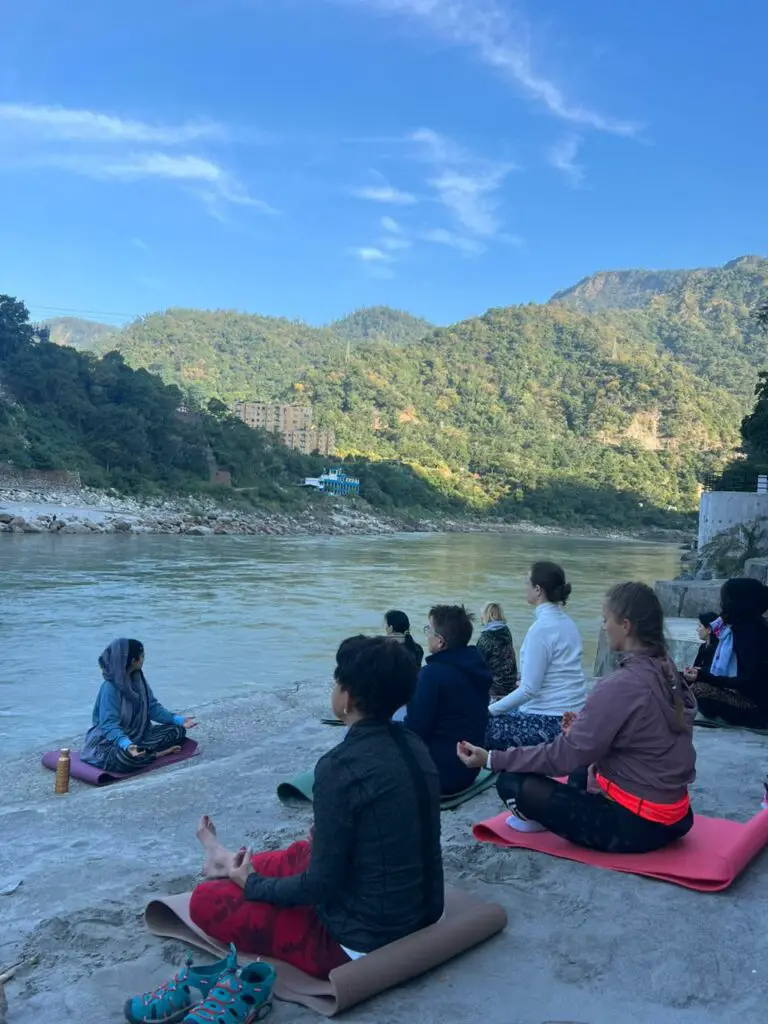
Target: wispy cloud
440	236
64	123
371	254
385	194
562	156
394	239
487	29
215	184
109	147
139	243
464	184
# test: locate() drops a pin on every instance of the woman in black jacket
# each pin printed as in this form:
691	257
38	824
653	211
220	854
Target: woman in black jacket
398	627
372	871
708	637
735	687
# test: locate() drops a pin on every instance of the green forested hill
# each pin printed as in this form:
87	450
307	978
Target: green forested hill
615	398
380	323
63	409
78	333
522	400
702	317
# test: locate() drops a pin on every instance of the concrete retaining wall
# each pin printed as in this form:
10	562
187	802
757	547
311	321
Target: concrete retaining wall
13	478
687	599
757	568
681	636
720	510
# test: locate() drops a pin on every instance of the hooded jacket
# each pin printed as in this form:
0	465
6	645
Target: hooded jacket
744	603
451	704
627	730
496	646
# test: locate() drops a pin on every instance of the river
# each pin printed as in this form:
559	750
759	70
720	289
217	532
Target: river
225	616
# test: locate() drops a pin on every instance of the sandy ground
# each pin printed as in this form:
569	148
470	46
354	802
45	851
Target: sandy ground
583	945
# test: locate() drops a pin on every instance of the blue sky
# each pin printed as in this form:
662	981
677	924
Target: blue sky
307	157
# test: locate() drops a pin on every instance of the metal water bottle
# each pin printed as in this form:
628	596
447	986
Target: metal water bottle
63	769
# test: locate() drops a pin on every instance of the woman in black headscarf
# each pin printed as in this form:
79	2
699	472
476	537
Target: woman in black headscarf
735	687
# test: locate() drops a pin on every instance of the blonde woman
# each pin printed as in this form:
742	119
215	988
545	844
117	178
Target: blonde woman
496	646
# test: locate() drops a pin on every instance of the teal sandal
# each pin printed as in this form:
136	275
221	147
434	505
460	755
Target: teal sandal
172	1001
240	997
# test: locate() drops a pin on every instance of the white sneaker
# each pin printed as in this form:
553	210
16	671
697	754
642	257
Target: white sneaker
524	824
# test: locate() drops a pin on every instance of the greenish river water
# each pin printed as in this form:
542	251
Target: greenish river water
227	616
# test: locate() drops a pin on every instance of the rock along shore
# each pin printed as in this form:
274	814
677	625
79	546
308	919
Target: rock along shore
88	511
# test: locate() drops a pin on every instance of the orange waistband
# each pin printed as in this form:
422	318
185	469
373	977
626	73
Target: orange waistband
662	814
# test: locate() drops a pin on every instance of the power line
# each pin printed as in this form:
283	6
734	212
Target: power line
89	312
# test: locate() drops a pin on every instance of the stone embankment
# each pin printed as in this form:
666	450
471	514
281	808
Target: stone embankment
94	512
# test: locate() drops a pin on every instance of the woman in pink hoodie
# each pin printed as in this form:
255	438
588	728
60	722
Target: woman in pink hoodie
629	753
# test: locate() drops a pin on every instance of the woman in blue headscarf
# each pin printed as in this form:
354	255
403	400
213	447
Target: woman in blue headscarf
122	737
735	687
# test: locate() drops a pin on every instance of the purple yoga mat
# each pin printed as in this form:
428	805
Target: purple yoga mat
96	777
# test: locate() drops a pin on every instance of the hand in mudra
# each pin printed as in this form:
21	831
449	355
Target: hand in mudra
134	751
471	756
691	675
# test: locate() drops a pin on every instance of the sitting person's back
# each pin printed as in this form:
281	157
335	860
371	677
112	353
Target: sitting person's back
451	699
372	871
497	647
393	880
398	627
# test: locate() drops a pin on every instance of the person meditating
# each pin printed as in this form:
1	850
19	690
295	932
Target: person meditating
496	646
629	752
735	685
451	698
371	871
551	674
122	737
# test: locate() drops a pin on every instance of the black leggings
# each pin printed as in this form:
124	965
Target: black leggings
155	740
586	819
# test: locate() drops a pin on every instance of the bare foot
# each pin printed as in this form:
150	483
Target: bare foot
218	860
168	752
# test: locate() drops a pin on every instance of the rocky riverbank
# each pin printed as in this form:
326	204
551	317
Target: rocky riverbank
88	511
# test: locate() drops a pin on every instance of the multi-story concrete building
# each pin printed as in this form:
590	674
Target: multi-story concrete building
276	417
308	441
292	422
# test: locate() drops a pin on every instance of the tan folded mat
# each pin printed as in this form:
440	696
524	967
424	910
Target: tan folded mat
468	921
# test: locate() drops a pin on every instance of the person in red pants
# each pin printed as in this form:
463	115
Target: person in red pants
372	871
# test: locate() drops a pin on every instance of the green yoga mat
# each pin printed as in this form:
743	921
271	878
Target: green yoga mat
300	787
718	723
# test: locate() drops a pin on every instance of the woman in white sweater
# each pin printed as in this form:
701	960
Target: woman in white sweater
551	675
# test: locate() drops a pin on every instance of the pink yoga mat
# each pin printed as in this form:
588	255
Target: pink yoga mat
96	777
708	859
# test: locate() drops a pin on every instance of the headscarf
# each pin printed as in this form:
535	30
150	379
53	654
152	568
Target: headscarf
742	600
743	646
134	706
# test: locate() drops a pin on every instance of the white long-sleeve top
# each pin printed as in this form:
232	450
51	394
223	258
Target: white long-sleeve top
551	674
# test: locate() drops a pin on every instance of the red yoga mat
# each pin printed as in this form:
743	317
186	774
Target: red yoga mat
708	859
96	777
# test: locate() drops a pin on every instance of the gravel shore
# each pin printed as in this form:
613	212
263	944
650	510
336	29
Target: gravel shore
88	511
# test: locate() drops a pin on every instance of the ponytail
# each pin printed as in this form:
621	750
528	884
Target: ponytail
638	604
